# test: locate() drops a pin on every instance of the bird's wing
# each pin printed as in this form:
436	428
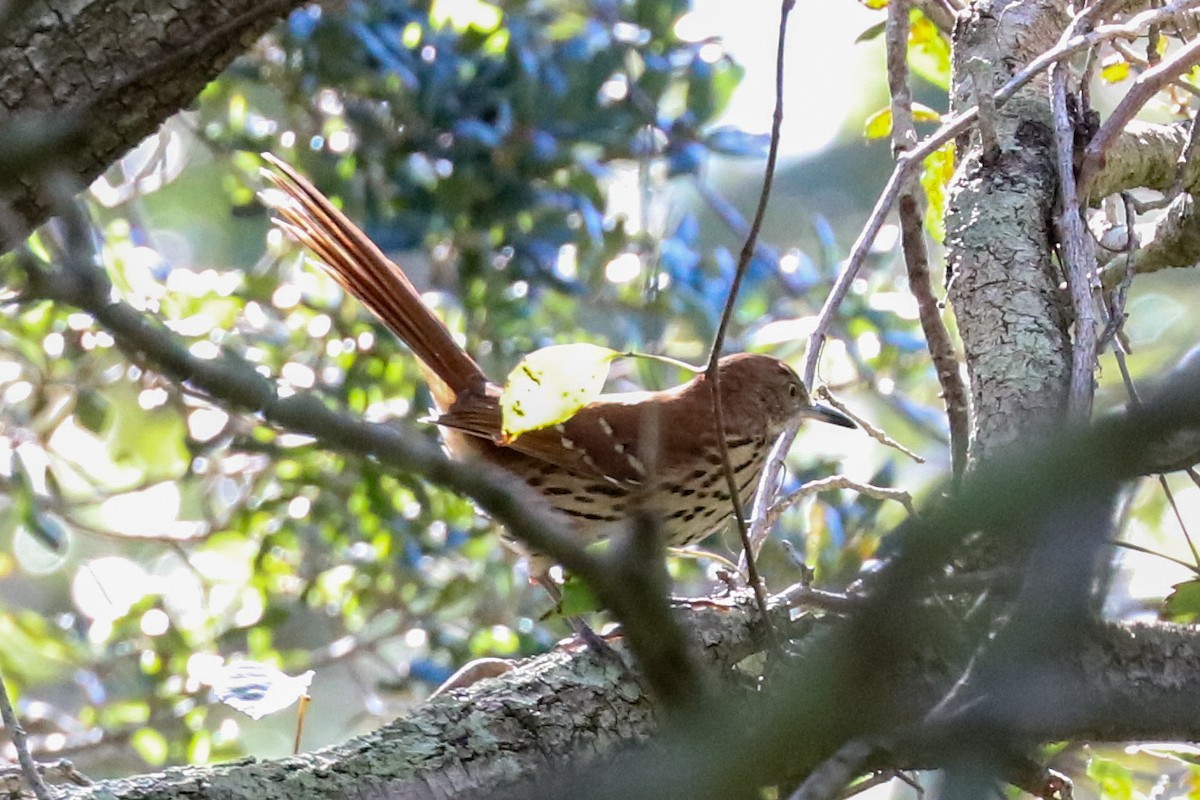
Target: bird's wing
593	443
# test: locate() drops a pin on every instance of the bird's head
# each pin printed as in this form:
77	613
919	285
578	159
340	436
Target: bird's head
754	384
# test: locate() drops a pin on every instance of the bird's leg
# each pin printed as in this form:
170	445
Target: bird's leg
583	632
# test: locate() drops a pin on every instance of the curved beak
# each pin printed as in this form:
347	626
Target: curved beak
824	413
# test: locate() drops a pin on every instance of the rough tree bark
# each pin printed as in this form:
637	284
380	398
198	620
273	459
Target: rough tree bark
84	81
1004	284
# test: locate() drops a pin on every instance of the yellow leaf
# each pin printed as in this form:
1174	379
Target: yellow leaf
1114	69
928	50
936	172
551	384
879	124
923	113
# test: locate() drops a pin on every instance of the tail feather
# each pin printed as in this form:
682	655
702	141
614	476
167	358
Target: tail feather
362	269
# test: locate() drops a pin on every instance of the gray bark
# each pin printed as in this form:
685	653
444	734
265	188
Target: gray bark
1004	284
84	81
1136	682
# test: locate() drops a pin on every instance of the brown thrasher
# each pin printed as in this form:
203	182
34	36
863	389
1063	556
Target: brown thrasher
656	451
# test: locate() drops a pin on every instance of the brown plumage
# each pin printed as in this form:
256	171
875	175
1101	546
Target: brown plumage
651	450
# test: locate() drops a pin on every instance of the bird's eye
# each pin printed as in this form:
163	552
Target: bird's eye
793	389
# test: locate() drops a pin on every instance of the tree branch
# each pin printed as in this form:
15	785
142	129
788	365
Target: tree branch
912	240
106	74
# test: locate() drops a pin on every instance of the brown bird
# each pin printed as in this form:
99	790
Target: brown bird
656	451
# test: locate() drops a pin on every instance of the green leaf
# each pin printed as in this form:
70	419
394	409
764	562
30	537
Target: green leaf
1183	603
550	385
871	33
577	599
1114	780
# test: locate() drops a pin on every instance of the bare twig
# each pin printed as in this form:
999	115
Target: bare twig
801	594
908	162
878	434
61	771
842	482
760	595
833	775
1141	63
1137	548
1078	253
21	742
880	778
912	238
1187	536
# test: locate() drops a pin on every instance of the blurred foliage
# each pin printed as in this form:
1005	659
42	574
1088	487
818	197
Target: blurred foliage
520	159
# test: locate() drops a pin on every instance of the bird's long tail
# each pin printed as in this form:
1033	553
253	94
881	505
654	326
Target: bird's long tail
364	271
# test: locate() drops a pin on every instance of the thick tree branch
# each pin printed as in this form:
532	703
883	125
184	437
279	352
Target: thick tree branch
1146	155
552	710
101	76
1142	682
1172	241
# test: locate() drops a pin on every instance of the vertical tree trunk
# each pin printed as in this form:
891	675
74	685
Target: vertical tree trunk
1005	283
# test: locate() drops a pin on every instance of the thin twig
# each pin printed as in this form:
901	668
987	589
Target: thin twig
1137	548
913	245
803	595
1078	253
842	482
879	779
21	742
878	434
906	163
760	595
1141	63
1187	536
